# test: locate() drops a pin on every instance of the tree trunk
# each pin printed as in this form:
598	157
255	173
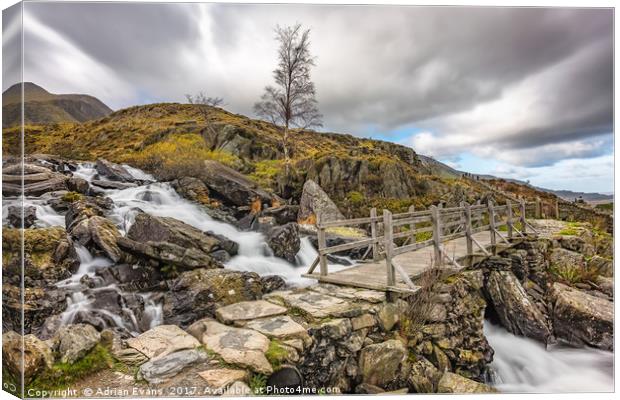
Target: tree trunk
287	160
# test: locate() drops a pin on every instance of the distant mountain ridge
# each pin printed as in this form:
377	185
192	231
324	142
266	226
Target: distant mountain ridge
43	107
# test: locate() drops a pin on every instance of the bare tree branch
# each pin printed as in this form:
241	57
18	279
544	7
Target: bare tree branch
205	104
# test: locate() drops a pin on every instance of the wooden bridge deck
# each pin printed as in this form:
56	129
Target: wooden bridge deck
372	275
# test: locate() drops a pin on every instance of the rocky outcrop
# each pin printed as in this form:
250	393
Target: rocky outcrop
72	342
192	189
314	201
162	340
517	313
381	363
37	180
196	294
15	215
169	241
284	241
231	186
114	172
28	355
582	319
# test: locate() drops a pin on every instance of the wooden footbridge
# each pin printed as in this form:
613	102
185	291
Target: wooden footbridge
402	246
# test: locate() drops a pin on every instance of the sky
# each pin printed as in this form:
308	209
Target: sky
524	93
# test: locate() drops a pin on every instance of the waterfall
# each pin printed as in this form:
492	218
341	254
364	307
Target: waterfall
522	365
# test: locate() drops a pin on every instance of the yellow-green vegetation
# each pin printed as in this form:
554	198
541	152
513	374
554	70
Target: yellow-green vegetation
573	274
178	155
276	354
38	244
356	198
257	383
72	197
266	171
606	206
568	232
346	231
63	374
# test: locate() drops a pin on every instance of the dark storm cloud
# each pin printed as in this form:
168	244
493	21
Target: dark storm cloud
508	78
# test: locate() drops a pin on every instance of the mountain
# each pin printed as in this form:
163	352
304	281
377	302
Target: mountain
43	107
585	196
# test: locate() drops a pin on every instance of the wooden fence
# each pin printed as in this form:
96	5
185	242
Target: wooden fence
417	229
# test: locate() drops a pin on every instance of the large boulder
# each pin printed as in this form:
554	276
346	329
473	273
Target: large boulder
113	171
454	383
582	319
563	259
603	266
27	355
516	311
73	341
30	313
87	225
14	216
284	241
380	363
231	186
192	189
162	368
162	340
37	180
314	201
196	294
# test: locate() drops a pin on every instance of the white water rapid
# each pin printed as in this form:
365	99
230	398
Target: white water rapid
522	365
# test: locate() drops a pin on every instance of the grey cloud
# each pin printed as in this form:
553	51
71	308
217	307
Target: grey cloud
379	69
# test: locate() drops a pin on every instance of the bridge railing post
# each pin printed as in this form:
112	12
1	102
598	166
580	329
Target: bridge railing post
388	235
322	245
412	226
557	209
509	217
436	221
468	227
492	226
538	210
522	216
373	232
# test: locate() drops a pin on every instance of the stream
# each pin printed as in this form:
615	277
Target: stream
520	364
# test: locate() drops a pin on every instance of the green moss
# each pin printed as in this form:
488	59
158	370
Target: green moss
568	232
258	383
266	171
275	354
355	198
63	374
72	197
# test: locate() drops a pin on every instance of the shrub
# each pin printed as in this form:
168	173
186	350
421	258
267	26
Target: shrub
266	171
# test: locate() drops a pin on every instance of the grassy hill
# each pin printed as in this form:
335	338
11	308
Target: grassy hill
171	140
43	107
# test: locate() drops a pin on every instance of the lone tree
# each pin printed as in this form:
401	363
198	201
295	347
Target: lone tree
291	102
206	105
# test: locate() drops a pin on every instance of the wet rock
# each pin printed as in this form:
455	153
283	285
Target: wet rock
284	241
237	346
380	363
14	216
271	283
314	201
516	311
131	277
162	340
192	189
167	255
85	223
582	319
231	186
317	305
37	180
565	259
248	310
221	378
160	369
112	184
74	341
29	357
78	185
283	214
454	383
113	171
196	294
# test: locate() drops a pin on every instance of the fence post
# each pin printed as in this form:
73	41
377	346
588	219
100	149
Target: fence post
373	232
412	226
538	210
509	217
388	231
523	211
322	245
557	209
436	221
468	228
492	225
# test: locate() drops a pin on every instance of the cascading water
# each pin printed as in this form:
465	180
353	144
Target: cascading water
523	365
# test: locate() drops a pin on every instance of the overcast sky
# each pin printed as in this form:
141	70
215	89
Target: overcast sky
522	93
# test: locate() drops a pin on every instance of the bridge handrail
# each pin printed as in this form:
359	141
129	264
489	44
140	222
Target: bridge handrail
443	223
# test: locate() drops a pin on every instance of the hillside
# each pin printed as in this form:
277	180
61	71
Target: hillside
43	107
